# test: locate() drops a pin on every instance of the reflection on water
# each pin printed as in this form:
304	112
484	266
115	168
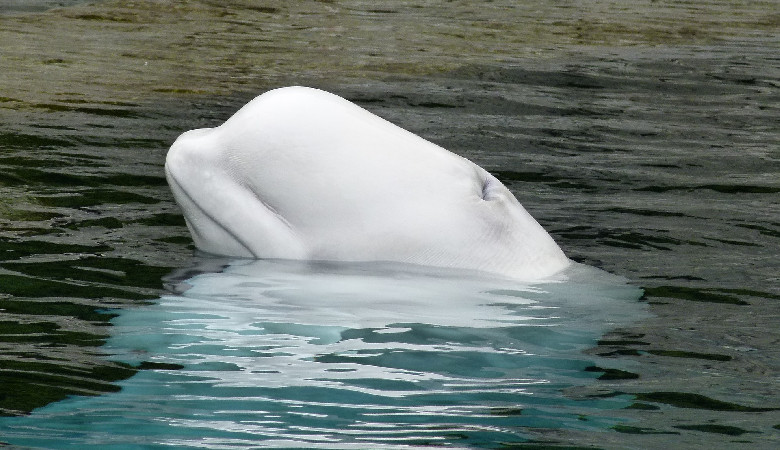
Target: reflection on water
347	355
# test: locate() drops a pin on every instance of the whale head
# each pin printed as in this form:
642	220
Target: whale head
299	173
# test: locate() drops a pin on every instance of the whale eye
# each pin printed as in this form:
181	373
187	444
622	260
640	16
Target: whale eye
488	184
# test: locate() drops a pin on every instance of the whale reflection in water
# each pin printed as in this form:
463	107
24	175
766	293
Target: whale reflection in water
341	355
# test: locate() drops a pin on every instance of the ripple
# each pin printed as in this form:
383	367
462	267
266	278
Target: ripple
330	355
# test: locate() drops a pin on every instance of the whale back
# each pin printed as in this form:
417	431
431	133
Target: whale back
299	173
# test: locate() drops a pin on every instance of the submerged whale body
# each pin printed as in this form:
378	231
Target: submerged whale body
299	173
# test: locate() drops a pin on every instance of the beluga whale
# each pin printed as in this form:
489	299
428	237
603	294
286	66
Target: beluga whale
299	173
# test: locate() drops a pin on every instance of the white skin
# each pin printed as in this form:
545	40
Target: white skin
300	173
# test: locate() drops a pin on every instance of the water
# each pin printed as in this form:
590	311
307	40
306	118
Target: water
27	6
643	137
347	356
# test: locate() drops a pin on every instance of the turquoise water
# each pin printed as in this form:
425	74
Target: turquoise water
272	354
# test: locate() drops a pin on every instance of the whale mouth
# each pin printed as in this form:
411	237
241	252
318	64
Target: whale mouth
194	224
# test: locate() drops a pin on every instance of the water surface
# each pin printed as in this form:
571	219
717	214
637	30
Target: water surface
642	136
277	353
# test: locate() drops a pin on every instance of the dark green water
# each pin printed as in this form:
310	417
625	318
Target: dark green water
656	161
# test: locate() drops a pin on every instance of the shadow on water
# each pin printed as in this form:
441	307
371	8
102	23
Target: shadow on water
338	355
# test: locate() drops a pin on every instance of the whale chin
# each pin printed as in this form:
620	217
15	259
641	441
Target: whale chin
209	234
303	174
